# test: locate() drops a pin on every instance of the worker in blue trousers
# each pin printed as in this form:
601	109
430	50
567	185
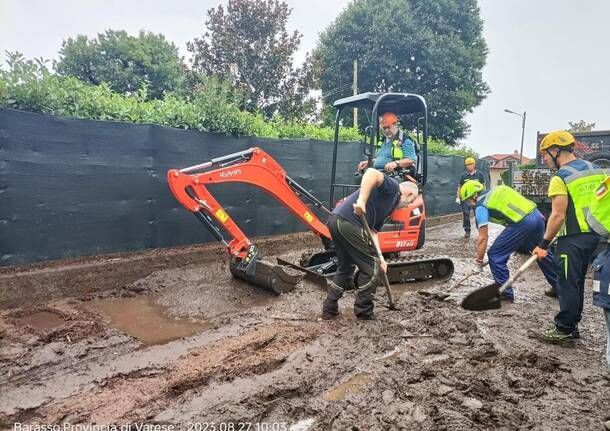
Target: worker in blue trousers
524	229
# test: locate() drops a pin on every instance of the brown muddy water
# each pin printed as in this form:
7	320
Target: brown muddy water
355	384
144	319
43	320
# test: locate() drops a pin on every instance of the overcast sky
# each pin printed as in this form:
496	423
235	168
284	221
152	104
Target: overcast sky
550	58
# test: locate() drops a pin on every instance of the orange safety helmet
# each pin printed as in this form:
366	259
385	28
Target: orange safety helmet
387	119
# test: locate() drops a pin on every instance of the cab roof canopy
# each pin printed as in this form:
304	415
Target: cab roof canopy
398	103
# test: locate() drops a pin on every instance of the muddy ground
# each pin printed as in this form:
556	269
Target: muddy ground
192	348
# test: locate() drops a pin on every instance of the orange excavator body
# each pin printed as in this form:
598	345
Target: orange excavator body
403	232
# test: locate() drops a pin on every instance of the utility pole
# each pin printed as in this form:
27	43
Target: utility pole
522	134
355	91
522	131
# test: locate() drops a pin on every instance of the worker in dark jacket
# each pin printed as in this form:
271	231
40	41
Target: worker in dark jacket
378	196
470	174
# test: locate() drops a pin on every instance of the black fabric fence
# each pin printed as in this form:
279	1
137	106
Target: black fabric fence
72	188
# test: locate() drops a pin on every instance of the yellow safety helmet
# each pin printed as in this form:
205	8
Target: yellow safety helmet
469	189
469	161
560	138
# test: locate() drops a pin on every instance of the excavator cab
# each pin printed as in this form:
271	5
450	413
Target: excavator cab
375	105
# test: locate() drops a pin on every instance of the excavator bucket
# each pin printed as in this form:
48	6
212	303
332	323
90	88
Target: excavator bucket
267	275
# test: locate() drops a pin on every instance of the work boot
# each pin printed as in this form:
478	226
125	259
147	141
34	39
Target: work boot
508	295
550	292
467	234
576	333
330	306
553	335
367	317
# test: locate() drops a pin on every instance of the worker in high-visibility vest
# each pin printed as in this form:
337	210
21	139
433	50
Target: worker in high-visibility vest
396	151
571	191
599	220
524	227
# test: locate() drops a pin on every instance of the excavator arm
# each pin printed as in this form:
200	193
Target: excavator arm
253	166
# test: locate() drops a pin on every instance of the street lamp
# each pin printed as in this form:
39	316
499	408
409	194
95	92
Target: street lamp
522	131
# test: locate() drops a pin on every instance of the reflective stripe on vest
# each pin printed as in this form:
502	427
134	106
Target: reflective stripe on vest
506	206
598	217
396	151
581	185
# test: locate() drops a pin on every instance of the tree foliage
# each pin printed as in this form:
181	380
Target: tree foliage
28	85
249	45
435	49
126	63
581	126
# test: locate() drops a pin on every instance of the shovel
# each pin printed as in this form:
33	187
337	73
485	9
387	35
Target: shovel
384	276
488	297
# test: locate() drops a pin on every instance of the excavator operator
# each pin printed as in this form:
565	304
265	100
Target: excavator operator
396	152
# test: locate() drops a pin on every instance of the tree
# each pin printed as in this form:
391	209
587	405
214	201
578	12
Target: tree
430	48
126	63
248	45
581	126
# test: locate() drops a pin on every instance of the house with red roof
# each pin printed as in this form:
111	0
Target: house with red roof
499	163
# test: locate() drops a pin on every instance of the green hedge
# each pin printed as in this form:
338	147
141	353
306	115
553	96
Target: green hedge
214	107
28	85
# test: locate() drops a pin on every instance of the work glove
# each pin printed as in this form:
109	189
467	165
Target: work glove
457	201
478	267
540	252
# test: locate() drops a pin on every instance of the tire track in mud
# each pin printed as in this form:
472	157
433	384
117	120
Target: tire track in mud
120	398
429	366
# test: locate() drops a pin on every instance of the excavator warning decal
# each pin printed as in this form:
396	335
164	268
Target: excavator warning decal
222	216
308	216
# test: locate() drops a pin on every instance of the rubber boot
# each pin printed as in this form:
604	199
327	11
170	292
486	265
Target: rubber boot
330	307
551	293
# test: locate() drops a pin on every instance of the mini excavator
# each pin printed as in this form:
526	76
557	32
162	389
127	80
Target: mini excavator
403	231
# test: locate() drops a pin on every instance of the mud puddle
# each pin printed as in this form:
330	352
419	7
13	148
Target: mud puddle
145	320
42	320
355	384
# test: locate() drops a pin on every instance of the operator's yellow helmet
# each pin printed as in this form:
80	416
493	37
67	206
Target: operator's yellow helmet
469	161
469	189
560	138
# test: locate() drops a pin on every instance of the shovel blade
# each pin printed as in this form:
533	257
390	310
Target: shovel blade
485	298
267	275
312	276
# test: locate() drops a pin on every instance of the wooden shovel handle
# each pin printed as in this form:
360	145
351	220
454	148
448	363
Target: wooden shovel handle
521	270
384	276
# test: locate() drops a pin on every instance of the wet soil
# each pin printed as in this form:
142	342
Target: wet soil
188	346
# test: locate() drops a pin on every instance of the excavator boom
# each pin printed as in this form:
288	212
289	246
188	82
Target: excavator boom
256	167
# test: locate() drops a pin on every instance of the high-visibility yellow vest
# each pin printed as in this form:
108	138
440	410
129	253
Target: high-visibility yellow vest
598	217
581	184
505	205
396	145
